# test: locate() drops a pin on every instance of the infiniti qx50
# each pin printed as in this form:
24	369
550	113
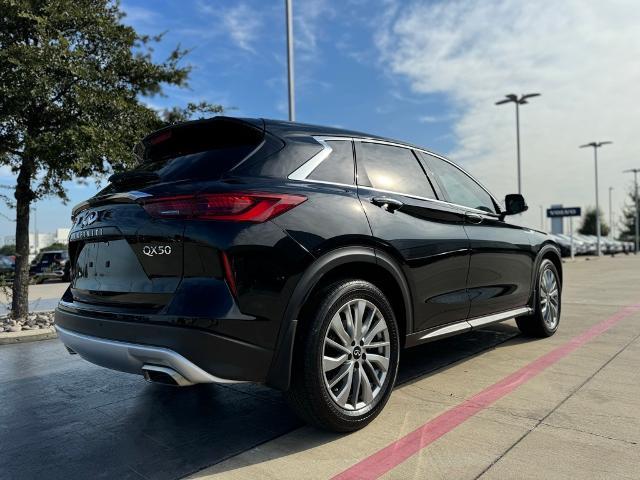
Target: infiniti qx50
301	257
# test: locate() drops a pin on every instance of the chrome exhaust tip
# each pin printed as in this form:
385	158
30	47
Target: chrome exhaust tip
164	376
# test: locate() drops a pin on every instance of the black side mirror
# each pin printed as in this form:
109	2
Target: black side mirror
514	203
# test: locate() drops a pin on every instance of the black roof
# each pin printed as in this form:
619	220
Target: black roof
282	128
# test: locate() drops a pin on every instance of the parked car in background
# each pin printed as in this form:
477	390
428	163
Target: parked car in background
7	267
590	243
563	244
580	247
49	265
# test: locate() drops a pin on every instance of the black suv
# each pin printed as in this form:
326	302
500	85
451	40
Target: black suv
298	256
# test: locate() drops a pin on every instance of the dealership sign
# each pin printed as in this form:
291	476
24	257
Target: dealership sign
563	212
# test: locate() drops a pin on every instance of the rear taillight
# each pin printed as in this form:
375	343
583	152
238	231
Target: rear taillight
233	207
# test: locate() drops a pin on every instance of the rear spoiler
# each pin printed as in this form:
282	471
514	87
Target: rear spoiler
165	132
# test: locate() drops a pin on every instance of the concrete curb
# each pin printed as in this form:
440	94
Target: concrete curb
24	336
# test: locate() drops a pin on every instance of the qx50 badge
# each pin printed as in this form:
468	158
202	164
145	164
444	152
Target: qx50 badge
153	250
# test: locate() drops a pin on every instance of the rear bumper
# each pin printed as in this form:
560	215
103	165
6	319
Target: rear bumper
132	357
199	356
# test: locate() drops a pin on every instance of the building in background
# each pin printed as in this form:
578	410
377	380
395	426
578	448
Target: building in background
61	235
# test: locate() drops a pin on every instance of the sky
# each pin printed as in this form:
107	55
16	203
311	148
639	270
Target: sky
426	72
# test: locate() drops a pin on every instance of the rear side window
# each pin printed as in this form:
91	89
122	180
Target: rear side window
338	167
204	150
461	188
392	168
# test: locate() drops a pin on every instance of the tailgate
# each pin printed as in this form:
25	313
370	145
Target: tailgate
122	257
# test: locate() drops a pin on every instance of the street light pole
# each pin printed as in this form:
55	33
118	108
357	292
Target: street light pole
610	216
512	97
596	146
518	147
541	219
637	205
289	20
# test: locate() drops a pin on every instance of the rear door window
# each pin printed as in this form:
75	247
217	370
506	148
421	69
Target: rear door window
460	187
391	168
338	167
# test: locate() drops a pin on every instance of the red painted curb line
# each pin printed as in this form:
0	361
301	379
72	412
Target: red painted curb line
397	452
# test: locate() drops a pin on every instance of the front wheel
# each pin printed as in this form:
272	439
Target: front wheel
544	321
346	358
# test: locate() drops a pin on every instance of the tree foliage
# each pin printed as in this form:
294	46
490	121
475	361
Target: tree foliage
588	226
8	250
72	80
54	246
628	230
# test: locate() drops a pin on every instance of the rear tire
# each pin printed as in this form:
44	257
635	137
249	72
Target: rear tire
544	321
346	357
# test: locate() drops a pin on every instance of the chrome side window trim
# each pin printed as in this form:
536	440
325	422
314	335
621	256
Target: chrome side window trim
384	142
307	168
325	182
435	200
302	172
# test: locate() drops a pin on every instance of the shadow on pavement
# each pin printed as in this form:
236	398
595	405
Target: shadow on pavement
61	417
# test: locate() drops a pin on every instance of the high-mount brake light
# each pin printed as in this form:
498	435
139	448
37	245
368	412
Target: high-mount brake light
232	207
160	138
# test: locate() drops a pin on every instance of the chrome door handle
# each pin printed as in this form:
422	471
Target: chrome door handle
473	218
386	203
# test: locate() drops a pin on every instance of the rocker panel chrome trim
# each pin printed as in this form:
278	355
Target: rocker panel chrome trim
464	326
498	317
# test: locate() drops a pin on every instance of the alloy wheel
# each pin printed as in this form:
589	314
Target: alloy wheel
356	354
549	298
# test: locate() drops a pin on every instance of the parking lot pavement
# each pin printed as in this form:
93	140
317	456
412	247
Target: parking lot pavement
42	297
579	416
61	417
563	407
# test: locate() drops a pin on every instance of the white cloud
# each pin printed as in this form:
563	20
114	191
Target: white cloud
309	16
582	56
139	16
241	22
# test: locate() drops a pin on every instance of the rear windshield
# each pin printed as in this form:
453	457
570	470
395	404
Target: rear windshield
198	151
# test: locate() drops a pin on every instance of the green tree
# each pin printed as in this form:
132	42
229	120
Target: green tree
54	246
628	230
8	250
589	224
72	80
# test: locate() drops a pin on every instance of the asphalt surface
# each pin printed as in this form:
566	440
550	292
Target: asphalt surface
62	417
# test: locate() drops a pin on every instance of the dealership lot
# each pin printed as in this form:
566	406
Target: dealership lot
569	408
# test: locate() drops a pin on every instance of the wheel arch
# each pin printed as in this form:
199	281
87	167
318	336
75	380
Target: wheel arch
547	252
364	263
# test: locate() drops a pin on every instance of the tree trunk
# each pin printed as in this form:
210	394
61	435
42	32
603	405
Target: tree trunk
24	196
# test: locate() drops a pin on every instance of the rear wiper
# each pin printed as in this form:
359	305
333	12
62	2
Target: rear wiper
133	176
